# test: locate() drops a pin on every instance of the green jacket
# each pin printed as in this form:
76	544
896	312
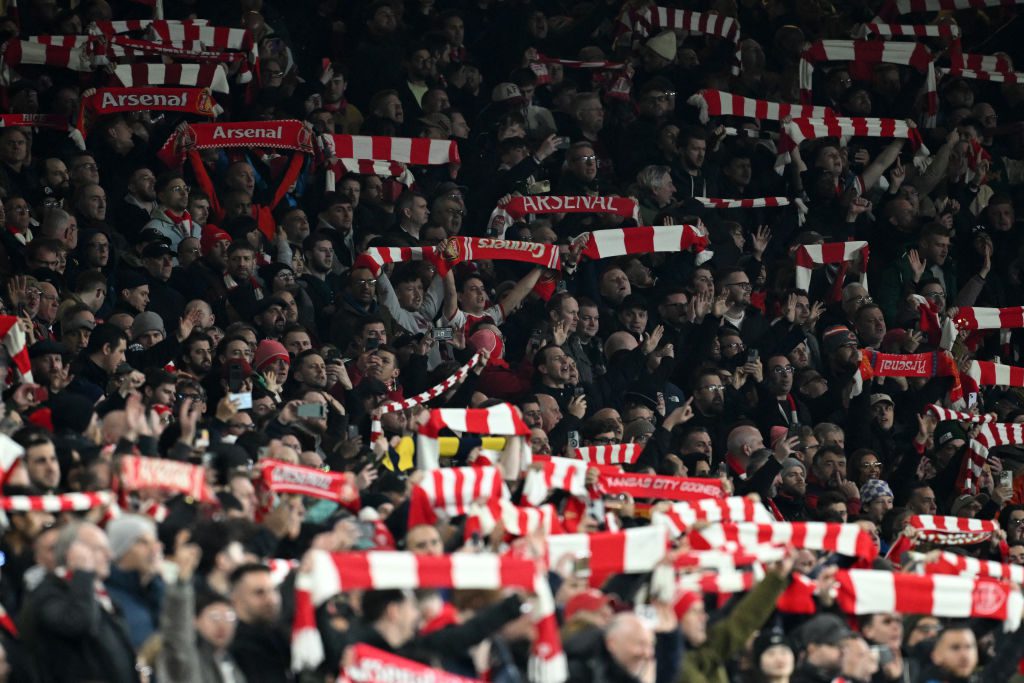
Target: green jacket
898	280
727	638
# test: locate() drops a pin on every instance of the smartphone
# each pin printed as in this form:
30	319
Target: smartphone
243	400
332	356
366	533
316	410
235	378
535	338
581	567
443	333
752	356
723	470
371	344
1006	479
578	391
353	432
562	142
574	440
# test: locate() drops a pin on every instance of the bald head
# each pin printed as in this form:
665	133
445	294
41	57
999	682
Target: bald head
630	642
619	341
744	440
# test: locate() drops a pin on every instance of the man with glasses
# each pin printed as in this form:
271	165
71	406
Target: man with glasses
171	218
580	175
448	213
734	285
777	404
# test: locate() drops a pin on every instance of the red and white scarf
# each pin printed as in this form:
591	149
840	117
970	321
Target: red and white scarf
920	365
681	517
331	574
720	103
338	487
553	473
282	134
212	76
728	561
646	239
915	6
14	342
280	569
652	19
514	520
384	169
366	664
139	472
64	502
868	591
617	454
382	155
845	539
978	318
10	456
453	490
808	256
577	64
218	37
631	551
376	431
988	374
721	581
375	258
961	565
990	435
661	487
948	530
196	101
500	420
883	30
916	55
799	130
517	208
941	414
27	53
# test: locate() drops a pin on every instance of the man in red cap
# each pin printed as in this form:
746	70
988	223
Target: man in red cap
205	277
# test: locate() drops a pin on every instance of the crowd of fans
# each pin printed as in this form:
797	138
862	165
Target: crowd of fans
224	314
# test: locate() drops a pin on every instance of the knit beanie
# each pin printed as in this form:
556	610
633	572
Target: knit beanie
124	531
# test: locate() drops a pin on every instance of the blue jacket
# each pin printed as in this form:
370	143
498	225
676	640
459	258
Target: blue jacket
139	605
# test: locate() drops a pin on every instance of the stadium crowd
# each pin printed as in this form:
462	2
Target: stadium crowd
526	340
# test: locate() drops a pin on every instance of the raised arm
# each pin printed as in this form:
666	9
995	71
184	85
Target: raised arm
514	297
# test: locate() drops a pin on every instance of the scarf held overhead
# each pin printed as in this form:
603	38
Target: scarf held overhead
282	134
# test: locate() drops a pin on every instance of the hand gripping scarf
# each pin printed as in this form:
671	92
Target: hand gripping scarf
720	103
870	52
376	431
683	516
330	574
284	134
808	256
867	591
517	208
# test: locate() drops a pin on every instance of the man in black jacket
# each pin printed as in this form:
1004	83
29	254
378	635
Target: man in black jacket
69	622
261	646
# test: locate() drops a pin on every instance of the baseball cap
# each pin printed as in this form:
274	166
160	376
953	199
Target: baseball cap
589	600
879	398
46	347
156	250
947	431
78	323
960	502
439	121
824	629
506	92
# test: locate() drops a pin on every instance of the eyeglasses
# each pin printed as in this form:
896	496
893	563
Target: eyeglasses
860	300
741	285
713	388
366	283
88	167
934	295
871	465
783	369
738	346
180	188
586	158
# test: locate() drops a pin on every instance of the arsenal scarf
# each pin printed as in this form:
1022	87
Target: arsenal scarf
577	64
882	30
455	250
618	454
283	134
64	502
868	52
499	420
808	256
961	565
338	487
138	472
988	374
934	364
845	539
517	208
196	101
366	664
645	240
376	431
375	258
869	591
652	19
683	516
453	490
948	530
662	487
633	551
333	573
212	76
720	103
